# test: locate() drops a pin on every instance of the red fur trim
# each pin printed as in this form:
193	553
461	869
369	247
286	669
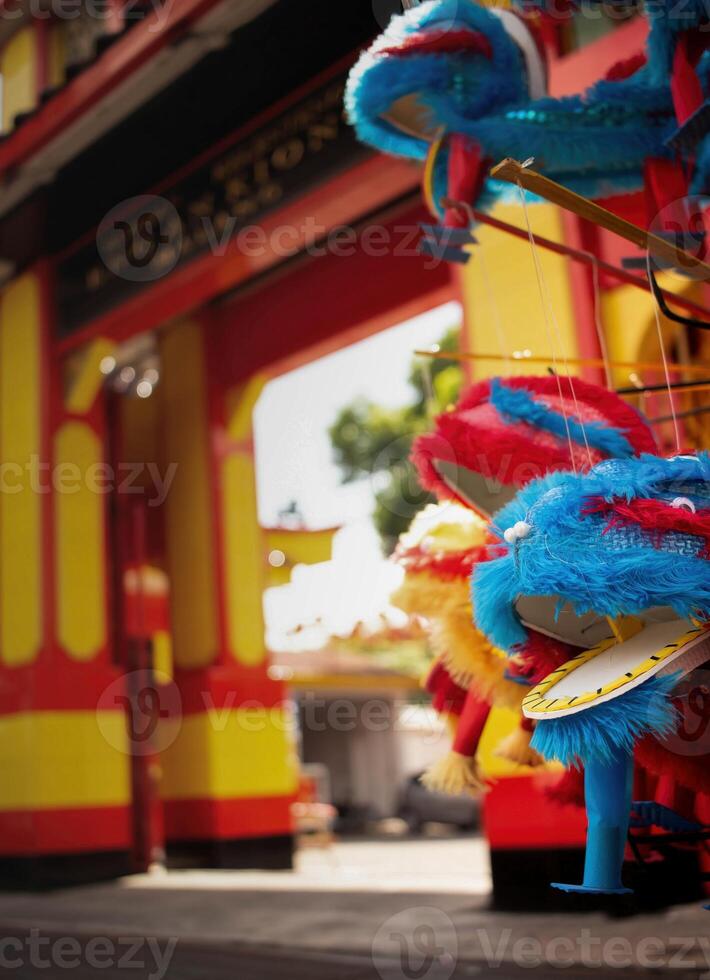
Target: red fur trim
539	656
690	771
446	565
627	67
503	452
441	42
568	790
654	516
472	721
468	170
446	695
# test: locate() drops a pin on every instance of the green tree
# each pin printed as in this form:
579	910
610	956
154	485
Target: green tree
373	442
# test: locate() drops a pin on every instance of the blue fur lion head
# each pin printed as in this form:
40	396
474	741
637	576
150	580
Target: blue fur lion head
451	87
452	67
628	536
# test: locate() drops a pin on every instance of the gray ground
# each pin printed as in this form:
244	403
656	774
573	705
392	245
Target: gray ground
391	910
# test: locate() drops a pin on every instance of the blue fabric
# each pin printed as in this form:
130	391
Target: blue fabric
518	404
571	554
595	143
599	734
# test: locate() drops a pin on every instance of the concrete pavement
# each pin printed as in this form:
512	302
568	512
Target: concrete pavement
365	903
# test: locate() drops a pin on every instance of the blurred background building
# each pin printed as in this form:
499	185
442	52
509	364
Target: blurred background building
185	219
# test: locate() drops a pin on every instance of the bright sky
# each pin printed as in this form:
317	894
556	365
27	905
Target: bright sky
294	462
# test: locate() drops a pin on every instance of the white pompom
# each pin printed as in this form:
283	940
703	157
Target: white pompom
522	529
510	535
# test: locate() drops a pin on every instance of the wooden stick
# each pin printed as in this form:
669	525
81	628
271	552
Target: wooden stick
519	358
688	388
588	259
515	173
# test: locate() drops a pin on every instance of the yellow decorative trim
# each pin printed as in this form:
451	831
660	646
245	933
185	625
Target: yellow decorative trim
245	569
85	377
428	176
20	450
537	702
18	67
188	507
80	542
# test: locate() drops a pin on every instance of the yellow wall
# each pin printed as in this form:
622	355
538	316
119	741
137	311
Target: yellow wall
56	54
64	759
244	545
20	443
188	508
231	754
18	67
80	541
509	315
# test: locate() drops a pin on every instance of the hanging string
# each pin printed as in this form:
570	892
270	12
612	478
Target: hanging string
504	347
659	331
546	318
601	333
428	387
570	380
503	344
561	346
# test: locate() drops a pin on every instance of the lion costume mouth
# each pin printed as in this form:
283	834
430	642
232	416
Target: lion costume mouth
624	553
673	647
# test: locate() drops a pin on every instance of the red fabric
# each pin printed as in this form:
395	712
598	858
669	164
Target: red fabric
665	185
475	436
538	657
685	85
472	721
626	68
654	516
446	565
689	771
467	171
447	697
568	790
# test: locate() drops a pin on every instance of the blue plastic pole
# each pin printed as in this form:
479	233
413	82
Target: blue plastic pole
607	791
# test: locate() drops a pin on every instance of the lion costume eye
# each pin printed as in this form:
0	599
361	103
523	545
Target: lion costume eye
683	503
520	530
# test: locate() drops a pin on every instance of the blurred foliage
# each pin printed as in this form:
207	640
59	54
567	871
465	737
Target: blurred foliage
373	442
404	650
